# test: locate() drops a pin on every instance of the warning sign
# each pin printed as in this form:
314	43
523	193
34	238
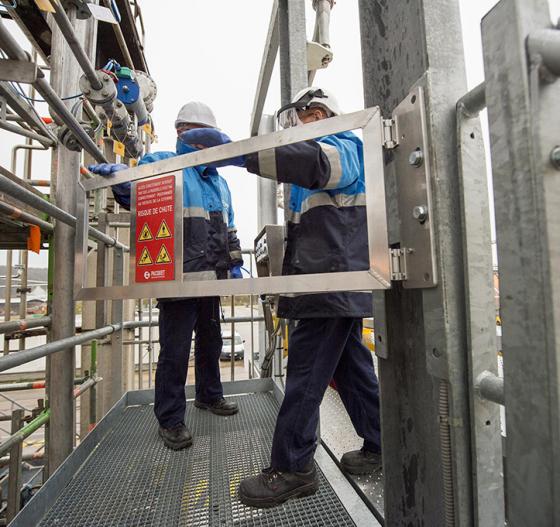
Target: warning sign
163	231
155	214
163	256
145	234
145	258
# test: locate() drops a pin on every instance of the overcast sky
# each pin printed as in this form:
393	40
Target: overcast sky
210	50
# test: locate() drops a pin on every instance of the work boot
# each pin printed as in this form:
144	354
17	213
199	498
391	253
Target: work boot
177	437
219	407
361	462
272	487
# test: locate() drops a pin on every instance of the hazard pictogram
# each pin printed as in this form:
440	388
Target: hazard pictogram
163	256
145	258
163	231
145	234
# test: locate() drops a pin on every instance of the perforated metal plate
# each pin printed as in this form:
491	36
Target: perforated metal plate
339	436
131	479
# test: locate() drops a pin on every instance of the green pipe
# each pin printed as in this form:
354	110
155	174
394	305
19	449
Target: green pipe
25	431
93	389
40	420
50	274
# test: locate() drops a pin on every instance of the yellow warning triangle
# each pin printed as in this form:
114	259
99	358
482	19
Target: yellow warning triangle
145	258
146	234
163	231
163	256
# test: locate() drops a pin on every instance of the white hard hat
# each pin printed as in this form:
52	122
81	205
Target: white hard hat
304	99
196	113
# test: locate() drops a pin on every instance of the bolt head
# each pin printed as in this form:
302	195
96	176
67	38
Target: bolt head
104	93
420	213
555	157
416	158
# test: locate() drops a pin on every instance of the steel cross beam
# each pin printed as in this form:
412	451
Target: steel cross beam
377	277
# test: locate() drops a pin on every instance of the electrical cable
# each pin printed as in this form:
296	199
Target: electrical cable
41	100
115	10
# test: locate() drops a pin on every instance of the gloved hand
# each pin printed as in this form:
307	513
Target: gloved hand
106	169
209	137
236	272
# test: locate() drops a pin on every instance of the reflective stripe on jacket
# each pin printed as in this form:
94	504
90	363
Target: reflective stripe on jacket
326	220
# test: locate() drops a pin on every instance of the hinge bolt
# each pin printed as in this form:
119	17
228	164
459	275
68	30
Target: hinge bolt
555	157
416	158
420	213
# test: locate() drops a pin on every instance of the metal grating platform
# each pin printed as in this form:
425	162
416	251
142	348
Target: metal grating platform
130	479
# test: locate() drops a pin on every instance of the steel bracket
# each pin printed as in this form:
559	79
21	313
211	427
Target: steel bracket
18	70
411	157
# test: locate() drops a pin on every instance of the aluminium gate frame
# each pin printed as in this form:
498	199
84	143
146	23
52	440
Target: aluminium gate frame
377	277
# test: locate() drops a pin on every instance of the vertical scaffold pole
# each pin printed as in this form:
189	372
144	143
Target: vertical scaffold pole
65	74
405	44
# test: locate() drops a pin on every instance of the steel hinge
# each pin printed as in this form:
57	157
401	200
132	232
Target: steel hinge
398	264
390	134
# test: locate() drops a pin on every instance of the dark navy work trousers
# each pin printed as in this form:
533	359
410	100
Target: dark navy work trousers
177	321
319	350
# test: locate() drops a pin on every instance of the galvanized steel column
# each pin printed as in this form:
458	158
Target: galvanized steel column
293	67
64	79
404	44
523	107
293	48
293	55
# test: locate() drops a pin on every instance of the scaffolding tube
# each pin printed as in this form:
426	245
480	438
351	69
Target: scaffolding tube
473	101
154	322
24	110
42	419
15	52
24	217
322	21
119	35
46	141
29	198
67	30
25	356
36	456
27	323
490	387
31	385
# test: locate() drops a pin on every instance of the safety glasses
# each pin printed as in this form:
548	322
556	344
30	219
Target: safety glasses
287	115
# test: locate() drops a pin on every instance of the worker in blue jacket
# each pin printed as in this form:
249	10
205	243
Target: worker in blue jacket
326	232
211	250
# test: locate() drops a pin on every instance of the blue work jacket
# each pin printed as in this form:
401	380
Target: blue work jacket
326	219
210	243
